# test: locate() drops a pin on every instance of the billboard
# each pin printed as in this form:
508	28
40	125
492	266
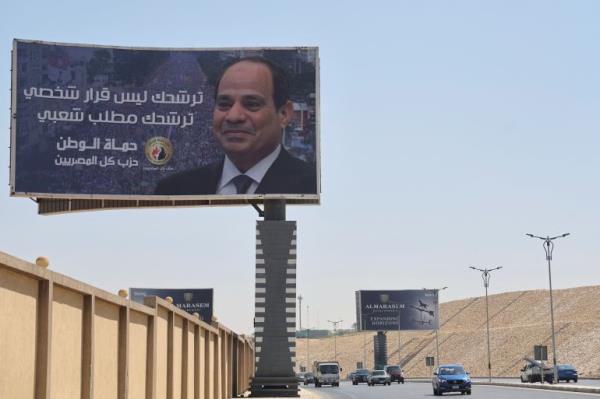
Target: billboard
126	124
192	300
397	310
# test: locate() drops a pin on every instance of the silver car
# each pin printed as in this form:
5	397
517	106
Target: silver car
378	377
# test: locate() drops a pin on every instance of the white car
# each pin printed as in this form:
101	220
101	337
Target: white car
378	377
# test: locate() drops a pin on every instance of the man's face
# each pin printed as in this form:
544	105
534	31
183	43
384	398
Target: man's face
245	120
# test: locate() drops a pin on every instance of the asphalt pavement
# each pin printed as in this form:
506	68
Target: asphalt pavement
423	389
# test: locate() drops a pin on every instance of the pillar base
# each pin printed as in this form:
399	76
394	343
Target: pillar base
274	387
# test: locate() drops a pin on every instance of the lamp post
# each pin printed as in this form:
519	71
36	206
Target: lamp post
307	337
437	343
485	274
548	248
300	312
335	323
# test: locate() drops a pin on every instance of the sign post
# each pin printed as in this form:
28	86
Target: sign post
540	353
430	362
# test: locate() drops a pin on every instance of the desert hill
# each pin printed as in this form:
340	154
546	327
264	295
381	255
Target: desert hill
518	321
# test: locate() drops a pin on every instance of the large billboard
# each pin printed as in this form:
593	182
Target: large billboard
98	122
397	310
192	300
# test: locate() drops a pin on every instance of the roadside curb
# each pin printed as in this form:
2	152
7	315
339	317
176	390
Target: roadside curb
548	387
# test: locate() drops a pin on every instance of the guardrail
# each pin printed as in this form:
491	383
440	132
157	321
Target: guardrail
61	338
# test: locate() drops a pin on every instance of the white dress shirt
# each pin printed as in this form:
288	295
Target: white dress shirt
257	172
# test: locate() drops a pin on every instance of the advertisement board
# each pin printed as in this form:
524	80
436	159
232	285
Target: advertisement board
192	300
98	122
397	310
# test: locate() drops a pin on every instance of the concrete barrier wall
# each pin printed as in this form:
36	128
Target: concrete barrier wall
63	339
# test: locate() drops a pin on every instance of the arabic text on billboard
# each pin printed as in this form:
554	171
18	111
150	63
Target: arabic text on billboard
117	123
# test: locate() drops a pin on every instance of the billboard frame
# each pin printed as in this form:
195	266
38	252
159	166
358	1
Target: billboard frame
165	200
394	314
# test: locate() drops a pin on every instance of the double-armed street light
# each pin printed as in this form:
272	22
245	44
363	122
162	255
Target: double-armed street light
335	323
485	274
548	248
437	343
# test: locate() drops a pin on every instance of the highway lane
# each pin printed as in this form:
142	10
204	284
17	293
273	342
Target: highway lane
582	381
423	390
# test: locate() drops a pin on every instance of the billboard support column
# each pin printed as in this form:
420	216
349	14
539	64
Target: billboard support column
380	350
275	304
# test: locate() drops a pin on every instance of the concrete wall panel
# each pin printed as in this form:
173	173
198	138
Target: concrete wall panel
18	310
106	350
67	334
138	341
177	356
162	322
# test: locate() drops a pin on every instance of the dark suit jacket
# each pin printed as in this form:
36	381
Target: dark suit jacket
287	175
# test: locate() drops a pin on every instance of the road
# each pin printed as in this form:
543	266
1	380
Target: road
423	390
582	381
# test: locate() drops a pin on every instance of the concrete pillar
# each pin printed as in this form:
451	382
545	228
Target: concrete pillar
275	305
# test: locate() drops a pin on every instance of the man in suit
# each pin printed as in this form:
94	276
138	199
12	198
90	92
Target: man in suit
252	107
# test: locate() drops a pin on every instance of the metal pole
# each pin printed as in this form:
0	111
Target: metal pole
300	312
485	275
335	323
437	348
552	318
549	248
307	337
399	315
334	346
437	342
487	318
364	350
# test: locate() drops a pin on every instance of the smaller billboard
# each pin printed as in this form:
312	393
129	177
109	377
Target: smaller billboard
540	352
397	310
192	300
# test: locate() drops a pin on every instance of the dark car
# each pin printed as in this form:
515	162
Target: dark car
396	373
451	378
360	375
566	372
378	377
309	378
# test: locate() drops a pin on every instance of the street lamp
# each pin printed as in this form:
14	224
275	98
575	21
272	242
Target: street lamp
300	312
548	248
307	337
335	323
485	274
437	343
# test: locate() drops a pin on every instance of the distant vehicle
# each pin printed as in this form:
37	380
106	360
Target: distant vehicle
378	377
451	378
326	373
300	377
566	372
396	373
309	378
531	372
360	375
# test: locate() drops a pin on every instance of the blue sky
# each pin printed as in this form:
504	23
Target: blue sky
448	131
